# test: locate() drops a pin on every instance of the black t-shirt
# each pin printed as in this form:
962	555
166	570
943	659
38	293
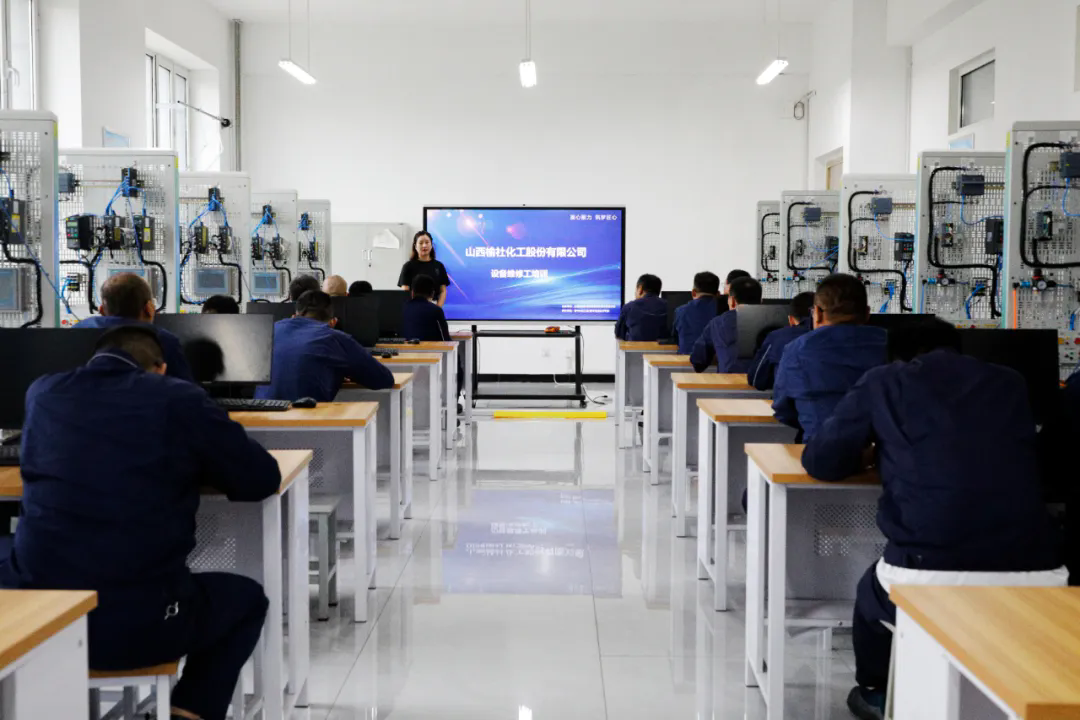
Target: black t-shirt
432	268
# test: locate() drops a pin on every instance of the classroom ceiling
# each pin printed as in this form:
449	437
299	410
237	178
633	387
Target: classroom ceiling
500	11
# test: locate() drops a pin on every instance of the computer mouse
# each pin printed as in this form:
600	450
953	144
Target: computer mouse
305	403
386	354
414	341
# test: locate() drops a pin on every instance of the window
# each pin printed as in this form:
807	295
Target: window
18	90
977	95
167	120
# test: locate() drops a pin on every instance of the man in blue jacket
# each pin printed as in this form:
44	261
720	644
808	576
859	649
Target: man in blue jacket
762	373
818	368
955	444
644	319
113	456
312	359
691	318
720	340
422	318
126	299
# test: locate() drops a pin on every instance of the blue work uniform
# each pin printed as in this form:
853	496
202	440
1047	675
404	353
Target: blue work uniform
112	462
819	367
956	449
312	359
690	321
762	372
720	341
643	320
176	364
424	320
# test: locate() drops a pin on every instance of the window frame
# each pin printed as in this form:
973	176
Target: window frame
8	65
956	94
179	125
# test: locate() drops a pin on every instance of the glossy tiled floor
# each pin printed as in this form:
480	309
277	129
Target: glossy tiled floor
540	579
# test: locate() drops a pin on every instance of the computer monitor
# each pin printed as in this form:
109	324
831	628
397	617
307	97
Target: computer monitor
1032	353
277	310
897	321
225	349
359	317
391	308
26	355
786	302
757	321
677	298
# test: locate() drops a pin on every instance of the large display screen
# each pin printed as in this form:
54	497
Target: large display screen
546	264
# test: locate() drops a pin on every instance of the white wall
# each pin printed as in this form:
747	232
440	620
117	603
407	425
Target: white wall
830	79
665	119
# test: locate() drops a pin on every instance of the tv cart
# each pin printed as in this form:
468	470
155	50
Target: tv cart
579	391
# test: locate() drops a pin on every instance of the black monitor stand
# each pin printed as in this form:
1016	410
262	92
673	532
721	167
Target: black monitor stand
579	391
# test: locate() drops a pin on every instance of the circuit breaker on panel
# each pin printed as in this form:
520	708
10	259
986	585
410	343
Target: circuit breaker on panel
214	213
1042	266
810	238
961	240
313	237
29	287
117	214
272	244
769	261
877	240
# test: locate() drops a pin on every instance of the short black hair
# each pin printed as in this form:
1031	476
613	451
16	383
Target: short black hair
302	284
842	298
125	295
651	284
802	305
221	305
141	342
908	341
315	304
735	275
360	288
707	283
746	291
423	286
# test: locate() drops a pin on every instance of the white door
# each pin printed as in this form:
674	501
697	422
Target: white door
371	251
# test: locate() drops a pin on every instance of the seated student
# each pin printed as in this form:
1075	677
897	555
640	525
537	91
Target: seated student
421	318
113	457
691	318
818	368
955	444
732	277
301	284
126	299
334	286
360	288
221	305
721	337
312	359
644	319
762	373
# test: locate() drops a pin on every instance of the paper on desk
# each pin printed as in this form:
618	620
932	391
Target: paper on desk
386	239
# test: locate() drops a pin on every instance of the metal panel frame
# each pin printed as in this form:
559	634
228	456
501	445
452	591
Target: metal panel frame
321	233
795	281
768	265
235	188
284	204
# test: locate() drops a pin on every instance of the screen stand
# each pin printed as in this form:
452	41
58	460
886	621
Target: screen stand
579	391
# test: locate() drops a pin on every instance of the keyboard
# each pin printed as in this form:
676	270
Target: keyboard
249	405
9	455
391	341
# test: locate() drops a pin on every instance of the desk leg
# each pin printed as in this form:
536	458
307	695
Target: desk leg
468	381
679	428
405	434
273	674
755	571
706	480
620	397
720	509
297	498
395	464
449	363
371	437
654	426
927	684
50	681
646	418
777	600
434	441
361	513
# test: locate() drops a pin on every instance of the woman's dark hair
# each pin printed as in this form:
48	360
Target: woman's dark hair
416	239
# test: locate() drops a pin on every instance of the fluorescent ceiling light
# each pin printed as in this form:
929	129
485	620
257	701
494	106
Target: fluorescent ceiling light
775	68
528	73
297	72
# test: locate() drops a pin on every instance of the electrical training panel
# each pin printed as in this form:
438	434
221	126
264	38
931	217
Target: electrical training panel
810	238
1042	266
313	238
214	247
961	237
877	240
769	262
272	244
118	214
29	289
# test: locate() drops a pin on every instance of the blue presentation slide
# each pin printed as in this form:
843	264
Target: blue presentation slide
543	264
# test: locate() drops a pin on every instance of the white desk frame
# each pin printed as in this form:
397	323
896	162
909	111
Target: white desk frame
49	681
653	378
434	373
624	380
